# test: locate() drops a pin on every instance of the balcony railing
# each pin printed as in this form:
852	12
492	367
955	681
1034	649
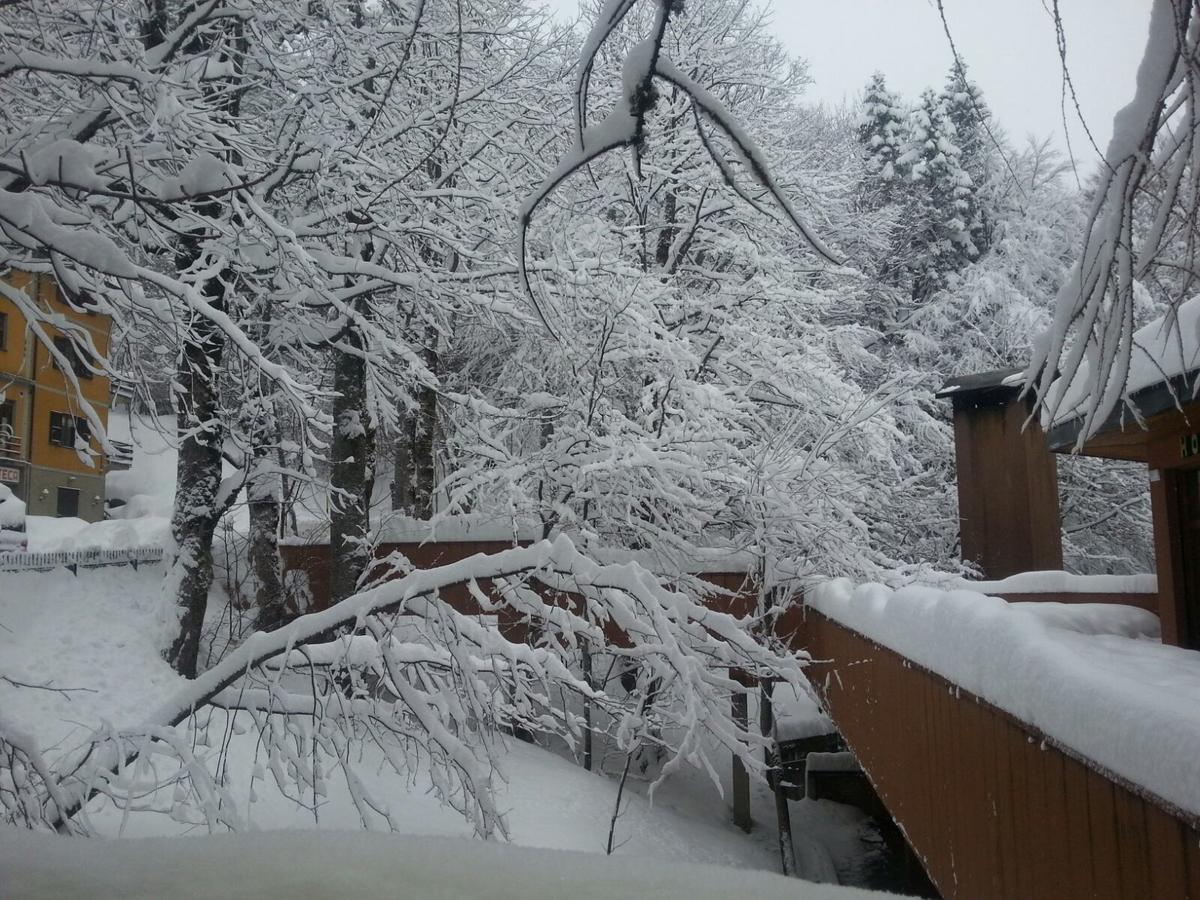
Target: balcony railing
121	456
11	446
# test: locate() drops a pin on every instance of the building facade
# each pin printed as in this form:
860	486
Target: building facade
51	402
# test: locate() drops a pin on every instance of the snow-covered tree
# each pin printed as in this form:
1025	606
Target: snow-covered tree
941	197
323	249
973	135
882	134
1148	168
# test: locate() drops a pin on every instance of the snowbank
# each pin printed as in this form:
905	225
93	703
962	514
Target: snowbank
49	535
296	865
1089	676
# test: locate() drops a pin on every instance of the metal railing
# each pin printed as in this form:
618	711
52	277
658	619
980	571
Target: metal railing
11	445
76	559
121	456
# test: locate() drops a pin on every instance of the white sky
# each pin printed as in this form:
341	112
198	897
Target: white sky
1008	45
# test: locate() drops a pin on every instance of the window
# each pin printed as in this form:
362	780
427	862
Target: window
75	354
64	428
3	331
68	503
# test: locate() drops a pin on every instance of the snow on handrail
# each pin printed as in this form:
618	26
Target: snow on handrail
72	559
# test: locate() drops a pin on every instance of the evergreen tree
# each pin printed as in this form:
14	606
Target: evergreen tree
881	131
941	197
967	110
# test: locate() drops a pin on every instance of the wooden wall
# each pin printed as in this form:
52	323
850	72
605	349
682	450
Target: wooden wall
1007	490
991	807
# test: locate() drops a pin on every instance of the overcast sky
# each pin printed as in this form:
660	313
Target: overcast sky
1009	46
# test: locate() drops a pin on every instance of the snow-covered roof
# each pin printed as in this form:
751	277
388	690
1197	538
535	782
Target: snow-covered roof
1094	678
1164	349
1003	382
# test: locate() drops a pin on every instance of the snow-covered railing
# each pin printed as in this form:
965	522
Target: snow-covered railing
1063	587
1028	583
1026	749
76	559
1092	677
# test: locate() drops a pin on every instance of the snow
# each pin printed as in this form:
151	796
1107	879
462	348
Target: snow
797	715
48	534
701	560
12	509
148	485
1053	582
361	865
67	161
464	527
1091	677
1162	349
98	636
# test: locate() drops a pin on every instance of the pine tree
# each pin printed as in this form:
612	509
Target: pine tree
966	108
941	198
881	131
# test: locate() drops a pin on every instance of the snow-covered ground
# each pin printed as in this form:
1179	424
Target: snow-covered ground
297	865
80	652
1093	677
93	644
94	638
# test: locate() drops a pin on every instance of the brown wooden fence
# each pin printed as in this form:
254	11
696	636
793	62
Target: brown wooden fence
992	807
734	592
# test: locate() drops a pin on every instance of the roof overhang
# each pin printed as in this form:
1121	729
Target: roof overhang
1166	409
996	388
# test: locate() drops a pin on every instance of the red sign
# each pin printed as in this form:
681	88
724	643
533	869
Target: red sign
12	476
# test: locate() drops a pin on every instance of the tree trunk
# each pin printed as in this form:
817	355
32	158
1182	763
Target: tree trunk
414	476
262	494
353	475
198	483
787	850
588	763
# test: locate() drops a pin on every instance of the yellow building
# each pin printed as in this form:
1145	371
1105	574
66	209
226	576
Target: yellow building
48	455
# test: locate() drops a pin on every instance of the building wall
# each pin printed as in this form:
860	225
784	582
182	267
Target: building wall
31	378
42	499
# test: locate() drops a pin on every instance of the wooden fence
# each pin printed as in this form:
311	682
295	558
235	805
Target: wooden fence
992	807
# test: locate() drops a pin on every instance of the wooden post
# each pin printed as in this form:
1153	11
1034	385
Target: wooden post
741	778
1007	478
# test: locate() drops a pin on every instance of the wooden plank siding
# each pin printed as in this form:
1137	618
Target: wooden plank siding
1007	489
991	806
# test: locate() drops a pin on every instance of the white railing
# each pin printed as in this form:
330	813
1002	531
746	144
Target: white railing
74	559
10	443
121	456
